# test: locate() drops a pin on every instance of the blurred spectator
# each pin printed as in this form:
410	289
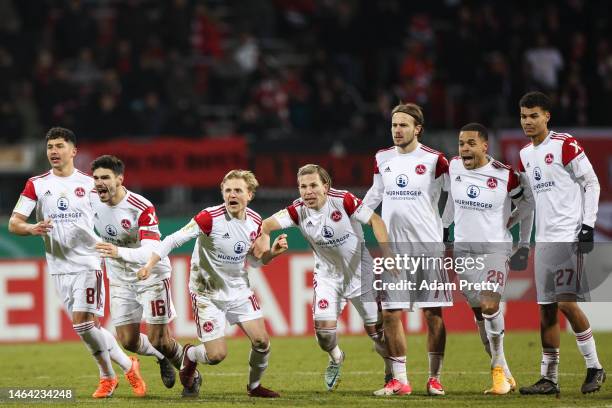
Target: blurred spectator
544	62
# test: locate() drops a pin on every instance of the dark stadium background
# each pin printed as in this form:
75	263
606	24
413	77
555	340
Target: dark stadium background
185	90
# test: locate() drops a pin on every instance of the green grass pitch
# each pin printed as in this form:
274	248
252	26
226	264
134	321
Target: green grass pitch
296	371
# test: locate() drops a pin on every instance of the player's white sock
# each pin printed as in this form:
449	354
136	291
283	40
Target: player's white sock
494	325
335	354
176	355
549	368
435	364
398	366
96	343
258	362
381	348
145	348
197	354
116	353
586	345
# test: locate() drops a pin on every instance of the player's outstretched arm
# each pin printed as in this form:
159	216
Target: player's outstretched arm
18	225
279	246
262	243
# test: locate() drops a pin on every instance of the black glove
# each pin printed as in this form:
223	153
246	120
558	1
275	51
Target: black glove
445	235
518	261
585	239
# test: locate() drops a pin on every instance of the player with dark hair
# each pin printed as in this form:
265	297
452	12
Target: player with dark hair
566	193
126	220
65	221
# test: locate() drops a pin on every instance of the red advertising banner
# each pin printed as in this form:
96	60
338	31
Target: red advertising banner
170	161
30	310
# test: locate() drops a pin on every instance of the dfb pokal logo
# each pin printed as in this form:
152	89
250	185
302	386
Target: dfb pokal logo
537	173
420	169
63	203
336	216
328	232
549	158
79	191
492	182
473	191
208	326
401	180
239	247
111	230
323	304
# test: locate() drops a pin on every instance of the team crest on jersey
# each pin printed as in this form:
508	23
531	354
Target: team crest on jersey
126	224
63	203
111	230
473	191
549	158
253	235
401	180
79	191
492	182
537	173
323	304
208	326
336	216
328	232
239	247
420	169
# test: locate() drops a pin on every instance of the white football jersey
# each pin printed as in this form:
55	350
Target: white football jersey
126	225
335	235
409	187
218	262
482	200
552	168
70	245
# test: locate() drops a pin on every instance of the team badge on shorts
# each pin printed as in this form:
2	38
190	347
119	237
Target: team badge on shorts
126	224
79	191
208	326
492	182
549	158
420	169
323	304
336	216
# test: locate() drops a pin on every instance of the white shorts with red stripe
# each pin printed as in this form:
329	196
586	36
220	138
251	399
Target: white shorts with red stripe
559	273
81	292
211	316
128	303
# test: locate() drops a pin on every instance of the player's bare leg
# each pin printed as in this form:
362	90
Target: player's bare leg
436	343
327	338
258	357
550	337
161	340
503	382
586	344
396	345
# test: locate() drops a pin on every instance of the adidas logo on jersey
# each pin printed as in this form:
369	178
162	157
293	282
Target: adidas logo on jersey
309	224
48	193
226	235
528	165
388	169
458	178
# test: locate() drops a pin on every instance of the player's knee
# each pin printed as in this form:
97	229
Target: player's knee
327	339
130	343
260	343
391	319
567	308
489	307
215	356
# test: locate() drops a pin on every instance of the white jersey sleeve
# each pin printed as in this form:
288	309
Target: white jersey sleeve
590	184
374	196
287	217
355	208
27	200
187	233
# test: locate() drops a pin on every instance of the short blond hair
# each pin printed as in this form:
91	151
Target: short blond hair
315	169
246	175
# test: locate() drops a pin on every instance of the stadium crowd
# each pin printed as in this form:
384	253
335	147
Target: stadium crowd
281	69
